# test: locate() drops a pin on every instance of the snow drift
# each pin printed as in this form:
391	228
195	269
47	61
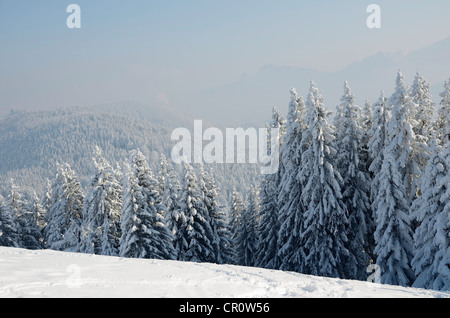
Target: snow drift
45	273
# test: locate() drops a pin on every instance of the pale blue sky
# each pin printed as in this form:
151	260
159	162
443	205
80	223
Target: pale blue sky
142	49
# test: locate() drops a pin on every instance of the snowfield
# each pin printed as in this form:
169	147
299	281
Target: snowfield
44	273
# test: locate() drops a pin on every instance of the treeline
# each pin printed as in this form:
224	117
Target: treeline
368	190
129	212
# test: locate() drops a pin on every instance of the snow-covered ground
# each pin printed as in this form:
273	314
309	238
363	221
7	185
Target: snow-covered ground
53	274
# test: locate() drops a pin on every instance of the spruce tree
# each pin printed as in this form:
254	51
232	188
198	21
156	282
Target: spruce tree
170	190
377	141
26	219
247	232
235	220
38	211
425	210
9	236
290	251
424	110
376	146
144	233
401	123
266	254
15	207
366	125
324	220
197	230
355	184
422	126
441	264
222	243
442	121
64	217
394	233
102	208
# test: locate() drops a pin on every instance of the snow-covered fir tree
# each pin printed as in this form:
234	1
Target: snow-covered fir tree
355	186
394	233
441	265
15	207
324	220
26	219
421	119
401	133
200	235
266	250
168	184
8	232
425	210
234	220
170	187
442	121
376	145
377	141
144	233
101	210
38	211
365	121
128	216
266	254
424	110
64	217
222	236
290	205
247	234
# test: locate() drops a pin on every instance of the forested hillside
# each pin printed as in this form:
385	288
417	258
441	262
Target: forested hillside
32	143
358	195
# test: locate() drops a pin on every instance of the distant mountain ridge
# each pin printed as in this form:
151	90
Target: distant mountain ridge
252	97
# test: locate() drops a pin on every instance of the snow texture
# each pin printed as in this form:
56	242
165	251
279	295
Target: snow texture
54	274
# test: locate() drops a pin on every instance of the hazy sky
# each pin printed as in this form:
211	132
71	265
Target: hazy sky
148	50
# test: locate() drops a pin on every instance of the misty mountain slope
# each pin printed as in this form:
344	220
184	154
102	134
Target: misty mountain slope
254	95
64	275
32	143
158	114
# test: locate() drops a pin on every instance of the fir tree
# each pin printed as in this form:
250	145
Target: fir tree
144	233
15	207
394	233
376	146
443	120
37	211
102	208
235	220
222	243
9	236
377	142
425	210
366	125
355	184
324	219
170	189
291	207
422	126
29	233
402	135
64	217
266	254
247	231
198	232
424	110
441	264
